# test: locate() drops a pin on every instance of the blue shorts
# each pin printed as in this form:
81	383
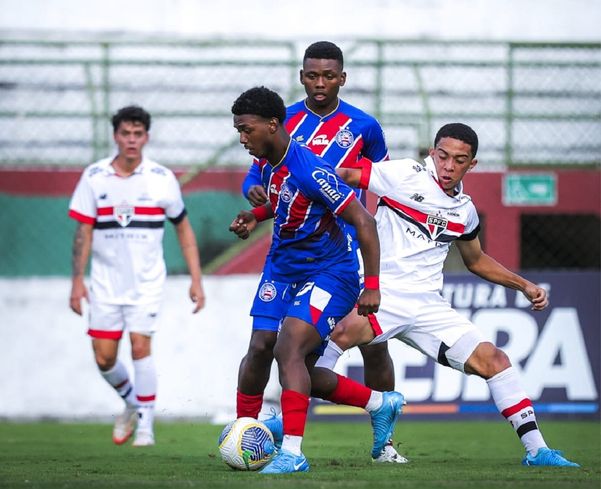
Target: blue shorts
322	301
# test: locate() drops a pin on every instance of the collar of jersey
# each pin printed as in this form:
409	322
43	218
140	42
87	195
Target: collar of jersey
429	163
110	169
284	155
322	117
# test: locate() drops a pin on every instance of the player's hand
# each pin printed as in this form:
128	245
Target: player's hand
244	224
197	295
257	196
368	302
78	292
537	295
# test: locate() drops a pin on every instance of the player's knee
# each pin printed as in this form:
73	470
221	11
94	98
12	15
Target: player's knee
487	361
105	362
261	347
341	336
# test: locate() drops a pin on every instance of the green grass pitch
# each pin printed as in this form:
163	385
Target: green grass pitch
477	454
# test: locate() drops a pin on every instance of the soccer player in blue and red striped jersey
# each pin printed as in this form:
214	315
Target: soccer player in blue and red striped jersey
341	134
314	265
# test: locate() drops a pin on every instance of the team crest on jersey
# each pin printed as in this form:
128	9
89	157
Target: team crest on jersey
436	225
267	292
285	193
123	214
344	138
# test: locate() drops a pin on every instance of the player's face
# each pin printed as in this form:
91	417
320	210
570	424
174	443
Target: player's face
131	138
322	79
256	133
452	159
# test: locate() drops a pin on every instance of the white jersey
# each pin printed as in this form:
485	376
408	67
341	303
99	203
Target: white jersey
417	222
128	214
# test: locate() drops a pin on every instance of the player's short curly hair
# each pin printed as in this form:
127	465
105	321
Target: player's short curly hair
260	101
324	50
457	130
131	113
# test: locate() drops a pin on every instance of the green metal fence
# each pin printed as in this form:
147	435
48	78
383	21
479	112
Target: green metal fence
532	104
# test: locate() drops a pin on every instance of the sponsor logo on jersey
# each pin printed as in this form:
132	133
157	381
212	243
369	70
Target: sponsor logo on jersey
158	171
299	139
436	225
328	184
344	138
123	214
285	193
418	168
320	140
417	197
331	323
267	292
102	197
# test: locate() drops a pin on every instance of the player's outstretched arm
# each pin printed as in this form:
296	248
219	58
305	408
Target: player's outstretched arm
189	247
483	265
82	245
369	243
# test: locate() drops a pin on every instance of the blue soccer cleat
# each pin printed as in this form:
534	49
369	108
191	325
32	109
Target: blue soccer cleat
548	457
383	420
285	462
275	424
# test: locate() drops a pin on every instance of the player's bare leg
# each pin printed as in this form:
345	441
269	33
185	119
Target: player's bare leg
254	372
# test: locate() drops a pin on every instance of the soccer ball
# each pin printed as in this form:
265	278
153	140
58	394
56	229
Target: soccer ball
246	444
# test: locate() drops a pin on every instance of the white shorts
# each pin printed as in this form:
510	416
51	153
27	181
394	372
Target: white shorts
109	321
427	322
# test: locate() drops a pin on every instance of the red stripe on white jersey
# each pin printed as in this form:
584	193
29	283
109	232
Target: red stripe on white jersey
422	217
80	217
141	211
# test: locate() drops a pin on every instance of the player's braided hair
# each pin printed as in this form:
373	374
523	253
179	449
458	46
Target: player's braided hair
457	130
260	101
131	113
324	50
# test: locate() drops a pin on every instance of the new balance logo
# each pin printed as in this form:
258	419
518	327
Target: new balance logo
417	197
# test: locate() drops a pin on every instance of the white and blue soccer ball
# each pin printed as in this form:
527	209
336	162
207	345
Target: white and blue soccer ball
246	444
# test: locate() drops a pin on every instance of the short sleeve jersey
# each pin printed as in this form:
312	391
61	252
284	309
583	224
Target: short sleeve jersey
306	196
341	138
417	222
128	215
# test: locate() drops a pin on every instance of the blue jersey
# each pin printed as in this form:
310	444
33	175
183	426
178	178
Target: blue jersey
306	196
341	138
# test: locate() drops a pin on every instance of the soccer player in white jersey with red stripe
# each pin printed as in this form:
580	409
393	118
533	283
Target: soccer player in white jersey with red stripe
422	209
120	205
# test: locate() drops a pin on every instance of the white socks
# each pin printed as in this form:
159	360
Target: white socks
146	386
118	378
514	405
330	356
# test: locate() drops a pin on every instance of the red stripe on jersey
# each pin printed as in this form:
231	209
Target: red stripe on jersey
80	217
365	173
105	335
297	212
146	398
329	129
421	217
516	408
140	211
295	121
344	205
349	160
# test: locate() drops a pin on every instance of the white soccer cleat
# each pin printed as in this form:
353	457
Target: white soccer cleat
143	439
390	455
124	425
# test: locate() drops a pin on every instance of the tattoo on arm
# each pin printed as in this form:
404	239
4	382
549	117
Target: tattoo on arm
78	256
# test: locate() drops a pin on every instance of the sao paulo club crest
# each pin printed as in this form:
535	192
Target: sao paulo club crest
124	214
436	225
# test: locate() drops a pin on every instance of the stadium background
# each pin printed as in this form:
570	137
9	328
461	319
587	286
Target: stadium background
535	104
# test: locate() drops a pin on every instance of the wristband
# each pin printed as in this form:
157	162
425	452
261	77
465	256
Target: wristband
261	213
372	282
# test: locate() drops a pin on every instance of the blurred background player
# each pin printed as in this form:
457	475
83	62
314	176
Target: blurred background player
341	134
421	211
311	258
120	205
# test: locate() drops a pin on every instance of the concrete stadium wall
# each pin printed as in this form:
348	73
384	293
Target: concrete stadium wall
48	369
